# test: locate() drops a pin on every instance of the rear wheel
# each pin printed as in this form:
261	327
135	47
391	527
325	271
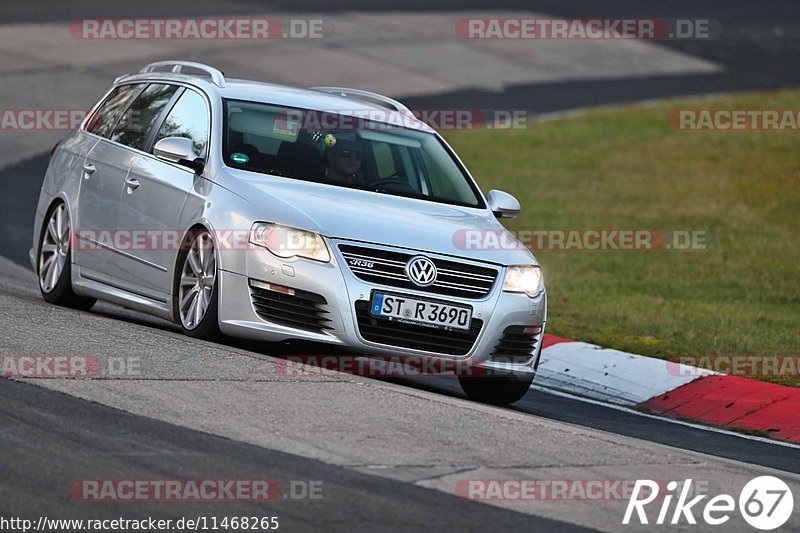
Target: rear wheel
498	390
197	294
54	264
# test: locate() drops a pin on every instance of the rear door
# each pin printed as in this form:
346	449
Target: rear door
103	173
156	193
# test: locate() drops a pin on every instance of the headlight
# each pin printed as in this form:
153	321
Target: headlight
524	278
287	242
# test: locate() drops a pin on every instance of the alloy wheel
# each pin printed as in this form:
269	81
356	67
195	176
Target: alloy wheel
54	249
197	281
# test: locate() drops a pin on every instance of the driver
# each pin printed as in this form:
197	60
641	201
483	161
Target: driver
343	159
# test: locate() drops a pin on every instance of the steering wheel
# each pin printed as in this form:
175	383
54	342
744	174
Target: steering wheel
380	185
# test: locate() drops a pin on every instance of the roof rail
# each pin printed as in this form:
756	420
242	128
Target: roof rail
364	95
177	67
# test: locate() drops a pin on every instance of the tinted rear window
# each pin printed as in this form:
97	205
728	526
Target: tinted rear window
103	120
138	120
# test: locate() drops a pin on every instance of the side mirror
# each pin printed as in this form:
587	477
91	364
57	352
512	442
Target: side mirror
502	204
178	150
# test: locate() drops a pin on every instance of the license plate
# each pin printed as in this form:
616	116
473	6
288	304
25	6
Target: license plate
422	312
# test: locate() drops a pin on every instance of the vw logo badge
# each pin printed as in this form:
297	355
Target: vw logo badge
421	271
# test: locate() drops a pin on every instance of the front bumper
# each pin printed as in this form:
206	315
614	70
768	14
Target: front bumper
341	290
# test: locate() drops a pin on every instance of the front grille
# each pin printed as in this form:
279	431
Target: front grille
515	346
389	268
414	337
297	308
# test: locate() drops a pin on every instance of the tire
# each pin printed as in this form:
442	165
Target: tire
54	261
497	390
197	287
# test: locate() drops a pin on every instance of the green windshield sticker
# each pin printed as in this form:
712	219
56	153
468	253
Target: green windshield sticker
239	157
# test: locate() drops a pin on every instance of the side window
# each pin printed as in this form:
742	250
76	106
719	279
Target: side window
103	120
137	121
189	118
383	160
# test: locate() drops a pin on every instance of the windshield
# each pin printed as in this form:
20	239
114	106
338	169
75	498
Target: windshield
343	151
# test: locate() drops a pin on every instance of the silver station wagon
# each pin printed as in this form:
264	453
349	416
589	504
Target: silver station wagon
275	213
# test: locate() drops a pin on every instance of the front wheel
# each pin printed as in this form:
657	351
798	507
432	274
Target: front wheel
497	390
54	262
198	289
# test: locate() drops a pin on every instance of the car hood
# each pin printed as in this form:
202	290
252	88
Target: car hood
352	214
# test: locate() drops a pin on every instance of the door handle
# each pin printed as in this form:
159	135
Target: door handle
132	184
89	169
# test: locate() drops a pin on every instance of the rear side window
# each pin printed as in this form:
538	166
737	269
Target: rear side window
139	118
189	118
103	120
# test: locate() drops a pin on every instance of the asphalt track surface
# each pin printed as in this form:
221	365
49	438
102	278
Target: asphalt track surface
759	47
66	433
50	439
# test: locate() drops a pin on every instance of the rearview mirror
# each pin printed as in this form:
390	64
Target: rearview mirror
178	150
502	204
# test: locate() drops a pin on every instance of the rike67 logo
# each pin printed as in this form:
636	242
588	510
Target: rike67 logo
765	502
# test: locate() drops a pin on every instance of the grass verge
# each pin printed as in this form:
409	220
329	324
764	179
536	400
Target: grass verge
626	168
